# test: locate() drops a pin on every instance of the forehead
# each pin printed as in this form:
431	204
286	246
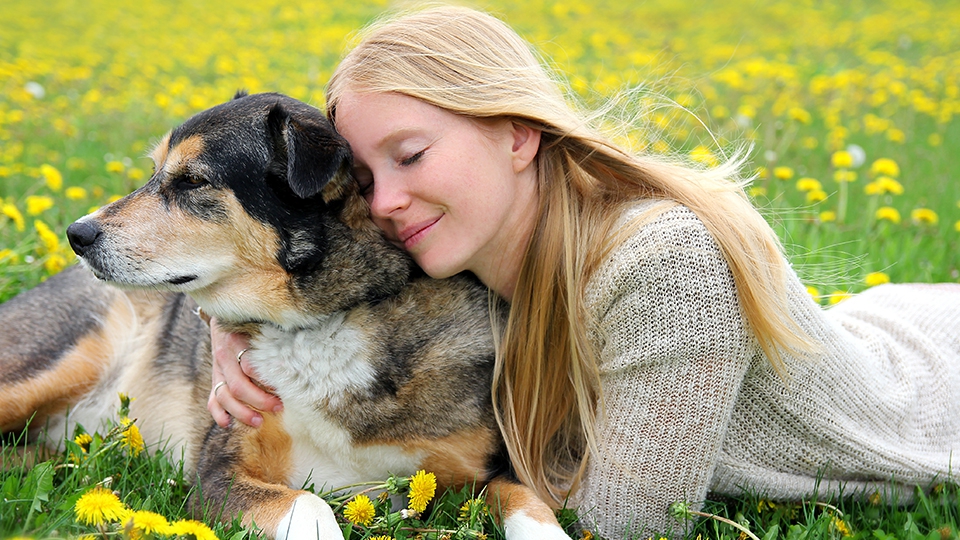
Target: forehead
371	119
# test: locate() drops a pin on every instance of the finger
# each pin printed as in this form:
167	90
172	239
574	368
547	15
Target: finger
220	415
235	408
240	393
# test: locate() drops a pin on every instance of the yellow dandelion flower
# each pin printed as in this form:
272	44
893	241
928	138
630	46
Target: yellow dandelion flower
83	440
9	255
800	115
888	213
51	176
828	216
838	296
381	537
38	204
809	143
782	173
473	508
844	175
132	439
99	506
136	173
890	185
956	226
841	159
814	293
873	188
875	499
935	139
757	191
54	263
815	196
49	241
896	135
808	184
115	167
702	154
764	504
149	522
924	216
841	527
885	167
360	510
187	527
763	173
876	278
15	216
422	487
75	193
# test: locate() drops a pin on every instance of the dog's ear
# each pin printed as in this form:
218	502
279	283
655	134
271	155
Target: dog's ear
313	152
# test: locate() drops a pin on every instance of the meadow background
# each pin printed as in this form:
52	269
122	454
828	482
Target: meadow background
850	111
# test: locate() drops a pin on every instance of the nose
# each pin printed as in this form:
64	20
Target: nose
82	235
389	196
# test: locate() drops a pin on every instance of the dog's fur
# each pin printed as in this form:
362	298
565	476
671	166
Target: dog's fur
252	215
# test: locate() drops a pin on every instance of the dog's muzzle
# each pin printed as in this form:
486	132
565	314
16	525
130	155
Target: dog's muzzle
82	236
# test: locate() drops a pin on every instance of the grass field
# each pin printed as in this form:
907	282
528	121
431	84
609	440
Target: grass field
852	111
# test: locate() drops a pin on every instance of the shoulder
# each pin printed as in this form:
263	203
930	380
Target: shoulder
664	276
656	240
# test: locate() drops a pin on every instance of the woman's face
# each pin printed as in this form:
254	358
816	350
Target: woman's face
456	193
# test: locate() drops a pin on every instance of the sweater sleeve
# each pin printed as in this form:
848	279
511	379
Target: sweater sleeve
673	348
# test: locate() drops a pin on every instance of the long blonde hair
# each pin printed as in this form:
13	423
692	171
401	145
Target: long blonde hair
546	387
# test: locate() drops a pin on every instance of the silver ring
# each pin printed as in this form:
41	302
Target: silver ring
240	355
217	386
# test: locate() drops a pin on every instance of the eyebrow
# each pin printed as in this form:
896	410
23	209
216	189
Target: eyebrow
398	133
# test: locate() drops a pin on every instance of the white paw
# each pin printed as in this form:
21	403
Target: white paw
310	518
520	526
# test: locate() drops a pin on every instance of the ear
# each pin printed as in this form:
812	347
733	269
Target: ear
526	144
313	151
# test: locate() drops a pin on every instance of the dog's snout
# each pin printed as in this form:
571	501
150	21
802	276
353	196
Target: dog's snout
82	235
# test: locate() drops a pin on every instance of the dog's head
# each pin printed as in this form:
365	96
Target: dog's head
241	212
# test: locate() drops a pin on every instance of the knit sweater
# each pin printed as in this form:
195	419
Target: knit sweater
692	405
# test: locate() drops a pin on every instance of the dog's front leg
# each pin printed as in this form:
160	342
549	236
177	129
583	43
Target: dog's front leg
523	514
245	470
309	517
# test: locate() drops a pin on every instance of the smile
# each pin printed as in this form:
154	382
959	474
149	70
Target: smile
411	235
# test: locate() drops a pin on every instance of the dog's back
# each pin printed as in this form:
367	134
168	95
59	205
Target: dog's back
73	343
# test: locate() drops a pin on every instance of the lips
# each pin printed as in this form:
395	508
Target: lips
412	234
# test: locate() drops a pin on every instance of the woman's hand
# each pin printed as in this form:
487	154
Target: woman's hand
233	392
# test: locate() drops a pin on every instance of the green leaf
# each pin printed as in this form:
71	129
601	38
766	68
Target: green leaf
42	477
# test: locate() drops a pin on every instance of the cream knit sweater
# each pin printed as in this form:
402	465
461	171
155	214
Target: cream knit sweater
693	406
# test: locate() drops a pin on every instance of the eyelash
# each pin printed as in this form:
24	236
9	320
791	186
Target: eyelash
412	159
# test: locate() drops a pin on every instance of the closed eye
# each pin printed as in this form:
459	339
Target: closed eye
412	159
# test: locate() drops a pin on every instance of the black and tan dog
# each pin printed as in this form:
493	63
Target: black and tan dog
252	215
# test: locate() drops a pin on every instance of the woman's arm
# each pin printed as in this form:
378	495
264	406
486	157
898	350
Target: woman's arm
674	349
239	396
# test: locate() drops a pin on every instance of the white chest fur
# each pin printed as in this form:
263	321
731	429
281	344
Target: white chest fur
311	369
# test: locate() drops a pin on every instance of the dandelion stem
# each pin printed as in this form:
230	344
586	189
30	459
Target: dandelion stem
728	521
375	485
842	203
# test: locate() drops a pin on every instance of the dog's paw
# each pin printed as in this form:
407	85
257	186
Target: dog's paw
309	518
521	526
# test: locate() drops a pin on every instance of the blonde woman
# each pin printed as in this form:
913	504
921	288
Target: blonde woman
659	346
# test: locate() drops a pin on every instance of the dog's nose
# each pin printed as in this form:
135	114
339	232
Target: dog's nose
82	235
